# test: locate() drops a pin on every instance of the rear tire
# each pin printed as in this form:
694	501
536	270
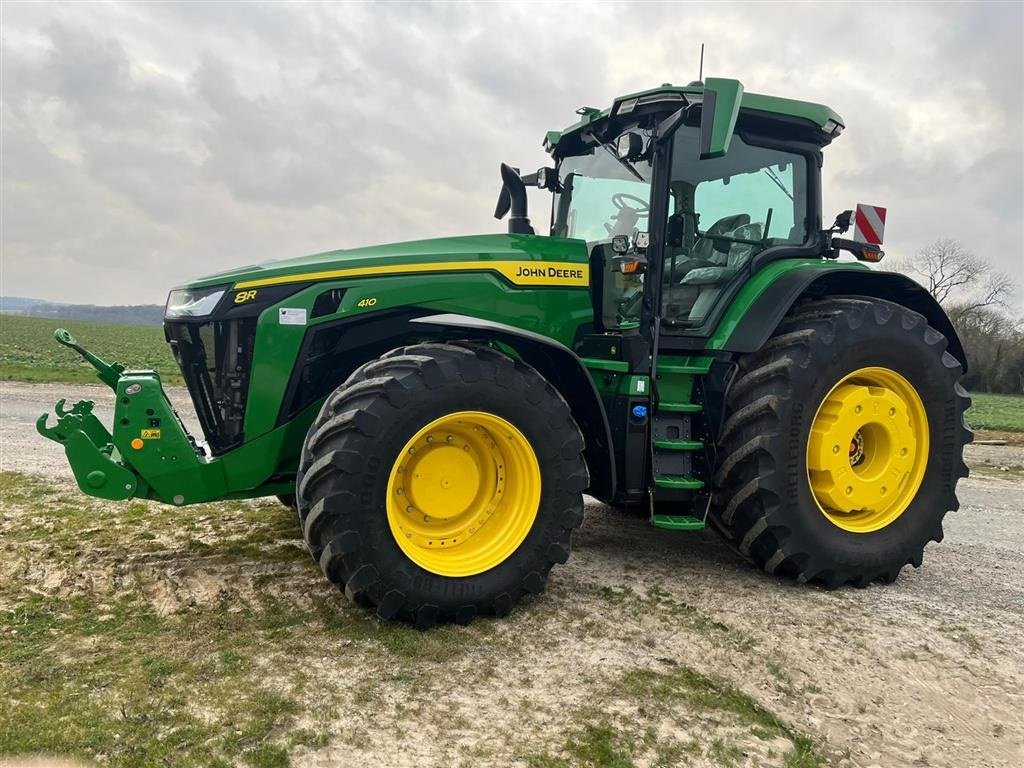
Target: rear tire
347	479
764	502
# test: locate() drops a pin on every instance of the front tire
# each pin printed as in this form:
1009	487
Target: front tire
799	496
441	482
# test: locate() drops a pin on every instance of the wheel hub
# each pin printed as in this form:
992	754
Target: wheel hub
867	449
463	493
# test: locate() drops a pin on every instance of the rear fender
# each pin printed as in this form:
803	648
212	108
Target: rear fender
566	373
805	283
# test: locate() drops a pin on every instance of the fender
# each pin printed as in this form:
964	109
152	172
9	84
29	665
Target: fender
563	369
807	282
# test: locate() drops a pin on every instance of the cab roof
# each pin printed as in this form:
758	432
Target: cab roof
669	96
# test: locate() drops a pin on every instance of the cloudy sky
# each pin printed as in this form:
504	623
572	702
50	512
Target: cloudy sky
144	144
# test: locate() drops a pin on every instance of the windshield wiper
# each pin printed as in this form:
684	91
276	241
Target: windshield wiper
607	147
778	182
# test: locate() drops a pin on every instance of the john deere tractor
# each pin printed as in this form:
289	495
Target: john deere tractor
686	339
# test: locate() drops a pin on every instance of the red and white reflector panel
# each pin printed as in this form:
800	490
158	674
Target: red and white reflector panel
869	224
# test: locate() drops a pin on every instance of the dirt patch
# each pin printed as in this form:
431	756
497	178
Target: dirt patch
659	648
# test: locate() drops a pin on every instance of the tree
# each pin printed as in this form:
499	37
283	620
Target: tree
976	297
959	280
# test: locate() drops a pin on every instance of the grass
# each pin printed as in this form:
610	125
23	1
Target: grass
91	668
999	413
135	635
28	351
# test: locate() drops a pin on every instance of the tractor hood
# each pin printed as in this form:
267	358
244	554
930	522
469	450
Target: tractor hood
400	258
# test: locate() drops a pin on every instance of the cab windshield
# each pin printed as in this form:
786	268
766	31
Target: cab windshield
600	196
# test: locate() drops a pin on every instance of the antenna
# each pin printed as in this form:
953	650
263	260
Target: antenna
700	75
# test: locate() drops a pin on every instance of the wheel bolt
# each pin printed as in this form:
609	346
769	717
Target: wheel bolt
884	489
849	490
410	510
426	518
903	451
449	439
399	491
892	411
835	449
412	450
430	438
857	409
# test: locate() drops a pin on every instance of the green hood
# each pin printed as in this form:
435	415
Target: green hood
497	247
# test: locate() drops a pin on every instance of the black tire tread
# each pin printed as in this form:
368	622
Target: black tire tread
355	413
746	510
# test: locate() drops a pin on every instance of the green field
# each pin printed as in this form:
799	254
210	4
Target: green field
1001	413
28	351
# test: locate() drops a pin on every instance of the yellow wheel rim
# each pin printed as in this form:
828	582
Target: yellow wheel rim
463	493
868	449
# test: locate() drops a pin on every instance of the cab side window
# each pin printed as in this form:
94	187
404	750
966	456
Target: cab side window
722	213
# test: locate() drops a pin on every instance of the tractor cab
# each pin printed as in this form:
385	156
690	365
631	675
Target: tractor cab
715	183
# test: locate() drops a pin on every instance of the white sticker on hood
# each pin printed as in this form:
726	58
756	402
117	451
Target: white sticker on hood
288	316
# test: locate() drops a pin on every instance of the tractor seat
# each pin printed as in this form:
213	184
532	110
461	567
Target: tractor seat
730	262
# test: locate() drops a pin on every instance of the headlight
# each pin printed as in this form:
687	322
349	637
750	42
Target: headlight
192	302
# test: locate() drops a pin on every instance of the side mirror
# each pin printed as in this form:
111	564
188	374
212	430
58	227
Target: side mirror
843	221
547	178
629	146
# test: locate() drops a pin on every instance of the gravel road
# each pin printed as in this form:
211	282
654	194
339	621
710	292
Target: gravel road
927	671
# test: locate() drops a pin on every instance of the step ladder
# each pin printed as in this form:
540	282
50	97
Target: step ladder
677	449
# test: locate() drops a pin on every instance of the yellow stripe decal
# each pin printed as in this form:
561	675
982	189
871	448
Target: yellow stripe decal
563	273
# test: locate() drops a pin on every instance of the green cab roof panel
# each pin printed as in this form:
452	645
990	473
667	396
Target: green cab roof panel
825	118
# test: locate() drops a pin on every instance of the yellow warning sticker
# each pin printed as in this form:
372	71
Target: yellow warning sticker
151	434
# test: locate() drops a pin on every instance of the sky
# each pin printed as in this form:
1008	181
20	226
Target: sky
147	144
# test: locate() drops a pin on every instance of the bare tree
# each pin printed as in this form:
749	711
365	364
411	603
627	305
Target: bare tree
957	278
977	299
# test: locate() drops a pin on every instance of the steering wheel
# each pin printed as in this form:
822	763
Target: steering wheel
619	201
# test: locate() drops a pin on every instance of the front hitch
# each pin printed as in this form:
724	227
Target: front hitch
90	451
148	453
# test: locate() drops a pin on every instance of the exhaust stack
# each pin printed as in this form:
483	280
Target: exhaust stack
513	197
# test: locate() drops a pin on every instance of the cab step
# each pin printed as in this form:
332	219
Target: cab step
666	444
679	407
679	482
677	522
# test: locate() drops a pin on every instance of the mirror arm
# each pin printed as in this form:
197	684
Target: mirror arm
670	123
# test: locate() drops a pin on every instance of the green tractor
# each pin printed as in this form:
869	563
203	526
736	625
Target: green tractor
685	340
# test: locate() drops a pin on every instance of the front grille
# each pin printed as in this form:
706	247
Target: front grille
215	358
